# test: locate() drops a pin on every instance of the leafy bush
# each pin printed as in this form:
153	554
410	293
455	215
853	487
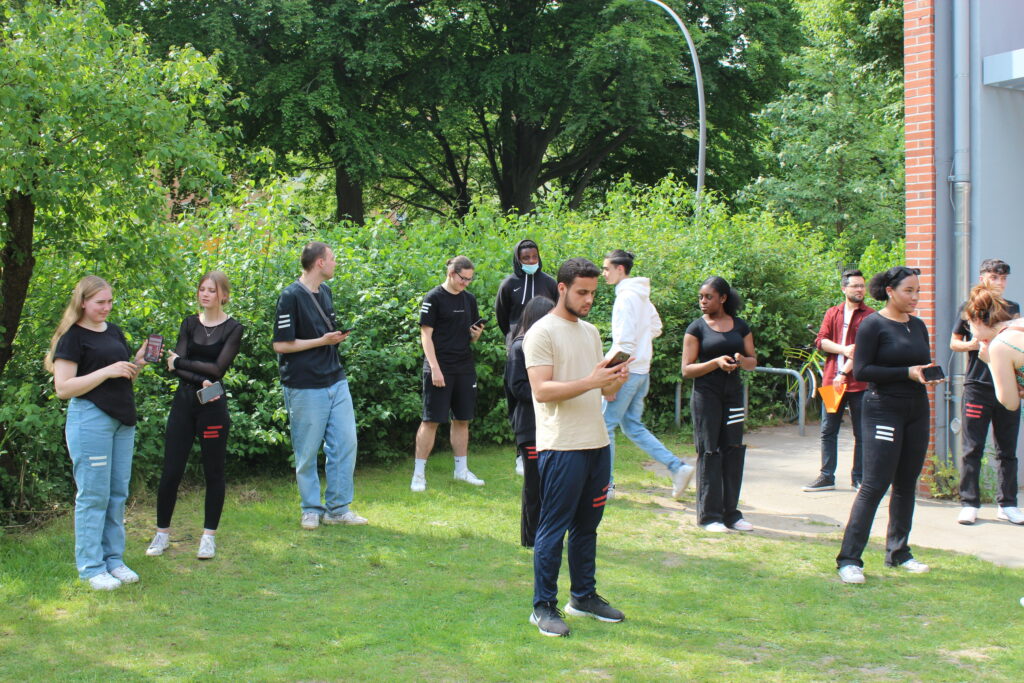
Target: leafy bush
784	272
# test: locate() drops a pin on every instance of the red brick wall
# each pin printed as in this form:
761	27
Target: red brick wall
919	102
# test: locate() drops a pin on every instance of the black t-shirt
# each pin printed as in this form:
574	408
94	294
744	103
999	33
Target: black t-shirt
714	344
977	369
205	353
886	349
298	317
92	351
451	316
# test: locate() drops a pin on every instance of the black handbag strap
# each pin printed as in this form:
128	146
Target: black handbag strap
319	308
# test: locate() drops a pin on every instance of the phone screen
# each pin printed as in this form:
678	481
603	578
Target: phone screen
207	394
933	373
154	345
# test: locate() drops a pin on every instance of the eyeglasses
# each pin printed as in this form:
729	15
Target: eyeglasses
467	280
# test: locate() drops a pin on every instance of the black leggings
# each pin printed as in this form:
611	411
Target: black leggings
718	434
189	419
531	494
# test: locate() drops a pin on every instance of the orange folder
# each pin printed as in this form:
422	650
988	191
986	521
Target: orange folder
831	397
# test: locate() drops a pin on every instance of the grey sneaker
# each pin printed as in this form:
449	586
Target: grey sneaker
124	574
594	606
310	520
822	483
681	479
548	620
348	517
104	582
207	547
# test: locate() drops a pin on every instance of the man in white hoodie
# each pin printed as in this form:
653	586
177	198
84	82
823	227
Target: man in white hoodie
635	324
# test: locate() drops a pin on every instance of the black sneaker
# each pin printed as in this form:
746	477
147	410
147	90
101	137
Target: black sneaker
594	606
548	620
822	483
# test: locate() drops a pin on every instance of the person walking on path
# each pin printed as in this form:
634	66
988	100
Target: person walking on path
836	336
892	355
207	345
568	376
635	325
716	345
449	323
316	393
94	370
981	409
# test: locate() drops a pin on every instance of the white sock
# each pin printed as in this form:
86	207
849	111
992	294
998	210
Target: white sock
460	463
420	467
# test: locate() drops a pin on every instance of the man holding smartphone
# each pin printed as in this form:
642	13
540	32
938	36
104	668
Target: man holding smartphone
316	391
635	324
981	409
449	322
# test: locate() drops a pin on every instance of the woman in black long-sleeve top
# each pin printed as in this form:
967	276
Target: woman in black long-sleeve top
207	345
891	352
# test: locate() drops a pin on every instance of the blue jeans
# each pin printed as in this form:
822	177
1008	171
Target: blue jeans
101	452
625	411
323	416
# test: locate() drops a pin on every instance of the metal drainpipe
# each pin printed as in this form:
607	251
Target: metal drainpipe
961	179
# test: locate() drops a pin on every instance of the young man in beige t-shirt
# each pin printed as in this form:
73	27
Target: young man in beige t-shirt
568	376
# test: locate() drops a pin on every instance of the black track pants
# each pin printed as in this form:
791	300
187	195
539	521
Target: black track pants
981	409
718	434
531	494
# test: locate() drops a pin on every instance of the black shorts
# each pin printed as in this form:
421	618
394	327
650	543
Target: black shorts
456	400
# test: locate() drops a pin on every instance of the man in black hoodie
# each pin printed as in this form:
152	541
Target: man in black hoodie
526	281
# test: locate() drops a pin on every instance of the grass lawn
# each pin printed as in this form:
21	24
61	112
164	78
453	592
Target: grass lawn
438	588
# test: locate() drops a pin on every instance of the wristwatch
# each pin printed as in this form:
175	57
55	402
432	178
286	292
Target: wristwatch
841	372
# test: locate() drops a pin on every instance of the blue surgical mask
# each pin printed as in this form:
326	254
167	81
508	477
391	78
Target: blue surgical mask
530	269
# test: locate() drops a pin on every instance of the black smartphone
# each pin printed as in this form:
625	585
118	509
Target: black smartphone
207	394
933	373
347	330
154	345
481	321
618	359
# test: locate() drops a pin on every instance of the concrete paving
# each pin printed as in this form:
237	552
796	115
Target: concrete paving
779	462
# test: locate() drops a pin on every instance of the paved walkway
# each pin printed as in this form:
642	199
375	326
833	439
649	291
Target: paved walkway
780	461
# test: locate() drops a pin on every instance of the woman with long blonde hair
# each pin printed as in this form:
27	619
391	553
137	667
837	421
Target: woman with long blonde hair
93	368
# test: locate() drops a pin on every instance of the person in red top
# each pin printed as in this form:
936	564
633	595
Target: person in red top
838	330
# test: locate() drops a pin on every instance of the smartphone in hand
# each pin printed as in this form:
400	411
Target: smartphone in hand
154	345
618	359
207	394
933	373
481	321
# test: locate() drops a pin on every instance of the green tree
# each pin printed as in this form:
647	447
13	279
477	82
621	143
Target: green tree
95	130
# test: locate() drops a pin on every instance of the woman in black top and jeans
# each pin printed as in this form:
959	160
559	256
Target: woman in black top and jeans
891	353
714	347
207	344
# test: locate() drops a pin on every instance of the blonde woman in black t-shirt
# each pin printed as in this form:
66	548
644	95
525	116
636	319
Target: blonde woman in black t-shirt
94	368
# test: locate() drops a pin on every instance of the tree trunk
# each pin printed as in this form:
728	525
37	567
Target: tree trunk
349	196
16	264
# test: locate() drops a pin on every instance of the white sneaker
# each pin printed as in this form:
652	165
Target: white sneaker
610	493
159	544
681	479
104	582
207	547
851	573
968	515
715	527
124	574
915	567
468	477
310	520
1013	515
742	525
519	466
348	517
419	483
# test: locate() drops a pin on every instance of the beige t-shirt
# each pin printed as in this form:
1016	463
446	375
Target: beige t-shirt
572	349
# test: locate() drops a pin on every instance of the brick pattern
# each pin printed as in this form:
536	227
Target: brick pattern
919	103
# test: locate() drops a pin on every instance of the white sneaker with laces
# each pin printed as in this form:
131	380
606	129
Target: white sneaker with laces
915	567
519	466
207	547
851	573
468	477
419	483
310	520
124	574
610	493
104	582
968	515
159	544
681	479
348	517
715	527
742	525
1013	515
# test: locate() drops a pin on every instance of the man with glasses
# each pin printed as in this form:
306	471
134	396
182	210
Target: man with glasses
449	323
836	338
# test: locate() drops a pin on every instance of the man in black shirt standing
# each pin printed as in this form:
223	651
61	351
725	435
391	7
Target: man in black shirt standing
316	392
981	409
449	322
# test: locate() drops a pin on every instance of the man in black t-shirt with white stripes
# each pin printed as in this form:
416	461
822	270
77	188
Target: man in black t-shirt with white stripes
449	323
